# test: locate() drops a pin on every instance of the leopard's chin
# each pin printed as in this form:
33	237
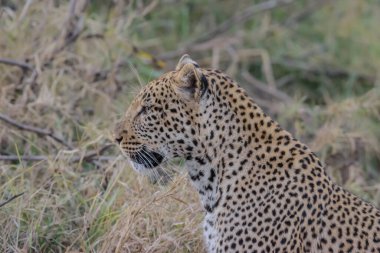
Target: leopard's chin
145	159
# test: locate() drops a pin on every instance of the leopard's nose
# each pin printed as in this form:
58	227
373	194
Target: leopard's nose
118	132
119	139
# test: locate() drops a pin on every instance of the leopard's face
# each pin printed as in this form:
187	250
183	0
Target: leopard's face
160	123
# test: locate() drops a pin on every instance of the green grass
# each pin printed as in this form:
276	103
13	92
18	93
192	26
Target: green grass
325	61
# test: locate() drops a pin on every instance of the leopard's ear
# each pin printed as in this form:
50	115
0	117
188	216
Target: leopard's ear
190	81
185	59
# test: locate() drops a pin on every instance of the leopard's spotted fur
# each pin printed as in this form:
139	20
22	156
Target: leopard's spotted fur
262	190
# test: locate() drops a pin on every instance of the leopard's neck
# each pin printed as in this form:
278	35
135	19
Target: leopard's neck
236	139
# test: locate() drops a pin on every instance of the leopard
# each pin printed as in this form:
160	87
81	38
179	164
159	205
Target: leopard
262	190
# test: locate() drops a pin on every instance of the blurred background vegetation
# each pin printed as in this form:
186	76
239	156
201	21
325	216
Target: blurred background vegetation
68	70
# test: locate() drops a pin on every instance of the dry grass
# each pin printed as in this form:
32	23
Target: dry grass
314	67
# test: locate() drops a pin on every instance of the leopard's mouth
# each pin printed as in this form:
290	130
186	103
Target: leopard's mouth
146	158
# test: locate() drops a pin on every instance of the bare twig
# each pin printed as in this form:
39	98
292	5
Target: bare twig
33	129
149	8
284	80
22	65
71	31
221	42
72	5
72	36
24	10
238	18
267	89
74	22
11	199
93	36
242	17
266	62
305	12
38	158
14	158
330	72
93	154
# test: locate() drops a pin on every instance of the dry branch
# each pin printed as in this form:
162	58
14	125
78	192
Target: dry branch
14	158
266	88
242	17
92	155
38	131
306	12
238	18
329	72
71	31
266	62
38	158
11	199
22	65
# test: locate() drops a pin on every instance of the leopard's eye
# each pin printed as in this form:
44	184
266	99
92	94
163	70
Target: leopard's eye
142	110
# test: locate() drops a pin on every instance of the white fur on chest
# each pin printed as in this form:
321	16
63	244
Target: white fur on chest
210	233
205	181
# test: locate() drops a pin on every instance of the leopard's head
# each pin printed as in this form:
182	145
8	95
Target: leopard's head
161	122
